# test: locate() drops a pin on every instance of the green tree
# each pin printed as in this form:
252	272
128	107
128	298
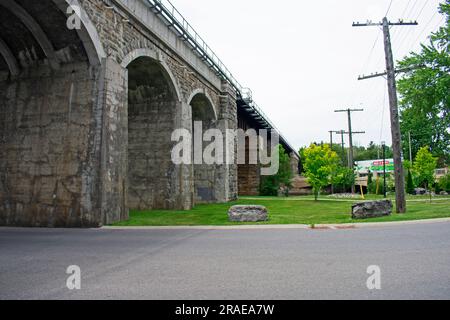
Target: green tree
301	152
360	153
345	178
271	185
410	183
319	164
424	167
424	94
407	165
372	152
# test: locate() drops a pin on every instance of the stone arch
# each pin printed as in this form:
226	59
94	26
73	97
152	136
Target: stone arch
145	52
10	60
88	33
204	176
41	36
48	158
201	97
34	28
154	181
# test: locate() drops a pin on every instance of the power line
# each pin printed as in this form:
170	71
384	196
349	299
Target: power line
374	45
406	8
389	8
424	29
398	34
371	51
421	10
403	34
412	8
401	41
439	24
382	114
413	41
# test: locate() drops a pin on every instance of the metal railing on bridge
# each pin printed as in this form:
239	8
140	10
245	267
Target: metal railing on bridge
175	20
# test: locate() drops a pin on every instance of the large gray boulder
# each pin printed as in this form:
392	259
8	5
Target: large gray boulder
248	213
372	209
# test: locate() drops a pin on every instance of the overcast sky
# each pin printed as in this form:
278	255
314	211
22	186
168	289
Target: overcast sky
302	58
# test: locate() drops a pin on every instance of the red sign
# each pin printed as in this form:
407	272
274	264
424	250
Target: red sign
380	163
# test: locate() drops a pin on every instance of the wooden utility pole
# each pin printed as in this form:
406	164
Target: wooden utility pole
350	140
384	170
342	133
331	147
331	139
410	147
395	122
393	103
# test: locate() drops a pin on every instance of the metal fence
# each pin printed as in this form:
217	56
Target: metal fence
175	20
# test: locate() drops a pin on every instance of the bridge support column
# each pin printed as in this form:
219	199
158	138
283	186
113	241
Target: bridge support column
249	179
185	193
113	99
226	174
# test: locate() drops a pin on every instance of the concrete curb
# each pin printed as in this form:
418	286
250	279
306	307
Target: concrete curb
363	225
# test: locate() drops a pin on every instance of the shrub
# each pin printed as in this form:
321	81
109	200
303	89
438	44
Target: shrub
410	184
437	188
344	178
269	186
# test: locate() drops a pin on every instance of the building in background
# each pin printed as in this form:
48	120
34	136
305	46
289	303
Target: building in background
440	173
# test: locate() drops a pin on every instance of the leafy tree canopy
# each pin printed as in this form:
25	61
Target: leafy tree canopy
424	94
320	162
424	167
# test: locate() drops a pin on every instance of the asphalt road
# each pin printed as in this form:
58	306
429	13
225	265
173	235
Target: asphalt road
227	264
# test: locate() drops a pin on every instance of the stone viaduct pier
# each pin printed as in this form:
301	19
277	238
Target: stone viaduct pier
90	93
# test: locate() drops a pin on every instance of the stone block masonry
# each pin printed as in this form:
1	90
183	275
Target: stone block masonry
85	136
46	126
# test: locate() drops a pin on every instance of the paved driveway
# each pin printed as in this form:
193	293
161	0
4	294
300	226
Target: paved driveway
227	264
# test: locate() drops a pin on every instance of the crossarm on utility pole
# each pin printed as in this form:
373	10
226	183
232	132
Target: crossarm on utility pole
380	24
397	71
350	138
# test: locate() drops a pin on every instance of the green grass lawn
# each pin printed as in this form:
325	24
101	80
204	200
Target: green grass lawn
292	210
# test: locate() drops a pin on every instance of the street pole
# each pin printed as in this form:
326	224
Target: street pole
395	122
410	147
331	147
331	139
391	72
342	133
350	156
384	170
350	134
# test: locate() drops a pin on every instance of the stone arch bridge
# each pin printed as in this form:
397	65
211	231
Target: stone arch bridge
90	92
